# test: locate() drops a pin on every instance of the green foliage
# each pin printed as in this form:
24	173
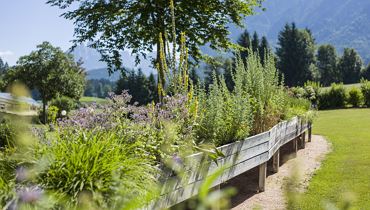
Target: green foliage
51	72
261	84
142	89
312	91
52	114
327	65
63	103
355	97
218	66
335	97
350	66
99	164
296	107
257	45
151	22
224	116
7	133
296	54
366	72
99	88
365	89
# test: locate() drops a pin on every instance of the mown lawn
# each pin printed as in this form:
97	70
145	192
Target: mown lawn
89	100
345	174
347	87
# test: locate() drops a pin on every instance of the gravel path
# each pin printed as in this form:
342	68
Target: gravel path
304	165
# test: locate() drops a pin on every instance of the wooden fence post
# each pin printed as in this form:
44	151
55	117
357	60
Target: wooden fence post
303	140
276	161
309	132
262	177
295	146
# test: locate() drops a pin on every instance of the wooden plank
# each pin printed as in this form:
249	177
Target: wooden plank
262	177
183	193
210	167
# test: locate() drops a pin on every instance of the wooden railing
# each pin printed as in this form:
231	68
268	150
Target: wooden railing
239	157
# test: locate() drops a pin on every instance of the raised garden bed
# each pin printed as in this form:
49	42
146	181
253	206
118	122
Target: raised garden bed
239	157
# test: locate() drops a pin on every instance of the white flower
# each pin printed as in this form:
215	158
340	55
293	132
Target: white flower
63	112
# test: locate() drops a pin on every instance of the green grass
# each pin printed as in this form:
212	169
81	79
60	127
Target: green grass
345	173
93	99
347	87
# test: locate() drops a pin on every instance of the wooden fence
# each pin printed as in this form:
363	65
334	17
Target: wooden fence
239	157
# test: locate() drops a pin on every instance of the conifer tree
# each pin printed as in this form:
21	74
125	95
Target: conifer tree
255	42
327	65
245	42
264	49
350	66
296	54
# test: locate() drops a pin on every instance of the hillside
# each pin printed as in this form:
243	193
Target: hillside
343	23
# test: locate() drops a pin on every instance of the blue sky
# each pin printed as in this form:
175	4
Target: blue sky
27	23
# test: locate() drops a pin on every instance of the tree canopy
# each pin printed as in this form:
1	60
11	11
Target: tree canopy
112	26
350	66
51	72
296	54
327	65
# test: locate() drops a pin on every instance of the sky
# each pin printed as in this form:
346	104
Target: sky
27	23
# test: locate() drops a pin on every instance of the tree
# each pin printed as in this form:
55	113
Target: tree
51	72
366	72
215	65
327	65
142	89
245	42
3	67
152	87
139	25
264	49
296	54
255	42
350	66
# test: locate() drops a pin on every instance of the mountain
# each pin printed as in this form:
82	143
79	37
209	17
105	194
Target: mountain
102	73
342	23
91	60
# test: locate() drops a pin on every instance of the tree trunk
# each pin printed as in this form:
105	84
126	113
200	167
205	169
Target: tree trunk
44	116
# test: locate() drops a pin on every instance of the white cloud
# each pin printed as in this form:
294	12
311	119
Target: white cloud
6	53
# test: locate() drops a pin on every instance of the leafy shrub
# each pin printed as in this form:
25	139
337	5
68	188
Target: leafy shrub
99	164
7	133
335	97
224	116
355	97
63	103
298	92
52	114
296	107
261	84
365	89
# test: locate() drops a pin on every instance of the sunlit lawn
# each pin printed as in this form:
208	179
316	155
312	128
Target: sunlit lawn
345	174
93	100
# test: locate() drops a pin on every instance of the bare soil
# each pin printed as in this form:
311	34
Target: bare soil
303	166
